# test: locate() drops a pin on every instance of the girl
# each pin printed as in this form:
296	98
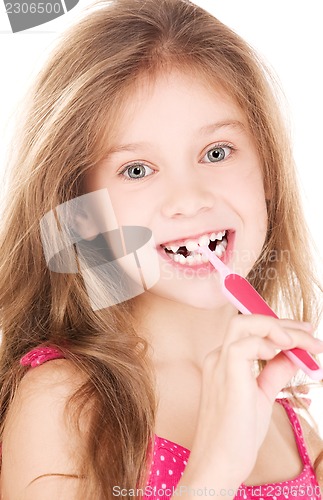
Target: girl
170	116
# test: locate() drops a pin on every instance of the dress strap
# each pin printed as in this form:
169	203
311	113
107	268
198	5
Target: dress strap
297	430
40	355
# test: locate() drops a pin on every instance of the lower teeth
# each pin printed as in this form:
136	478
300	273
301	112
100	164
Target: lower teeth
197	258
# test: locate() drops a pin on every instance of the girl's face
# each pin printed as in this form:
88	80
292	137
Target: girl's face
187	167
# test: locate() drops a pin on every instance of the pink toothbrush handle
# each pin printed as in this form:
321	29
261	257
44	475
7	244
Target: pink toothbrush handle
237	286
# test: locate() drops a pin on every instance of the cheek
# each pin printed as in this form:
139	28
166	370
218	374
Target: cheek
134	206
250	192
100	179
189	287
127	212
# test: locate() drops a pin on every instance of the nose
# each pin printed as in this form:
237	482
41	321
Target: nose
187	196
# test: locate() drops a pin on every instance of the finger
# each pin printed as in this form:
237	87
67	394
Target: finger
286	333
256	325
284	322
240	355
293	323
304	340
279	369
276	375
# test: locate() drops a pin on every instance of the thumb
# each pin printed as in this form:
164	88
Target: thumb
276	374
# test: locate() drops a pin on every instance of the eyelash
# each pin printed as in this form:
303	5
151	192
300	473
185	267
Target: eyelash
139	164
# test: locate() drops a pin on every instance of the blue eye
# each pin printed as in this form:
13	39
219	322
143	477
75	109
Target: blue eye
135	171
218	153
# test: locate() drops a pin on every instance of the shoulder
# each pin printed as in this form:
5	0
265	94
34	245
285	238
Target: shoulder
312	439
59	374
48	384
37	437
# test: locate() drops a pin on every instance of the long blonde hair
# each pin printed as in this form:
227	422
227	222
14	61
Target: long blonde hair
67	129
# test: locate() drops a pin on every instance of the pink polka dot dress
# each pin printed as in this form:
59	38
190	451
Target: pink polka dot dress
168	459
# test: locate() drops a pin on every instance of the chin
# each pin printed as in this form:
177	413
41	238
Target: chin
201	295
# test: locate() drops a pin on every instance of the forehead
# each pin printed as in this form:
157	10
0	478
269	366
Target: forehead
175	100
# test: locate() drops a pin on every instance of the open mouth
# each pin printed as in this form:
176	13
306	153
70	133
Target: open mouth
185	252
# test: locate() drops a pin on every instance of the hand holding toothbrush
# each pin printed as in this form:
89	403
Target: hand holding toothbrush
248	301
236	407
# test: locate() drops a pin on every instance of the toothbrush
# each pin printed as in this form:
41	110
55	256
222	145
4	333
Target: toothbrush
248	301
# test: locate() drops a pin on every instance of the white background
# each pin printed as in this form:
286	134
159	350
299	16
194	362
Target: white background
286	33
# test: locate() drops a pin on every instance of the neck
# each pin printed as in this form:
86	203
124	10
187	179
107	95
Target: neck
180	332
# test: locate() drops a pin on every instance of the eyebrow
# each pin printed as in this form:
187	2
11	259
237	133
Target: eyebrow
206	130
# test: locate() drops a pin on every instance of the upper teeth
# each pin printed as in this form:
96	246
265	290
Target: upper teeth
192	245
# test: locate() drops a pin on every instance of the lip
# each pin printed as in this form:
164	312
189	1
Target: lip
194	237
204	267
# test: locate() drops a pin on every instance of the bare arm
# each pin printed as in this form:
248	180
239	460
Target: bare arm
51	487
39	450
235	406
